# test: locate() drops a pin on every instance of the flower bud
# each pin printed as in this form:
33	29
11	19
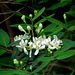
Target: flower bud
24	69
40	25
35	12
15	61
65	17
35	26
23	18
21	28
28	28
21	62
49	50
30	15
31	67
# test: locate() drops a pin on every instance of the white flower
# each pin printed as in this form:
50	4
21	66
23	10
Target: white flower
56	43
22	45
21	37
37	45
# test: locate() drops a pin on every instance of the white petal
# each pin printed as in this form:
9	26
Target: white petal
51	47
36	52
42	47
30	53
25	51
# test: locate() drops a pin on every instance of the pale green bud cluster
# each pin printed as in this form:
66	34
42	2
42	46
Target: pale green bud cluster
38	29
15	62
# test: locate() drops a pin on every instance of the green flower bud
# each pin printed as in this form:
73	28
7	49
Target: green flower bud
49	50
65	17
31	67
30	15
15	61
21	62
24	69
35	12
23	18
35	26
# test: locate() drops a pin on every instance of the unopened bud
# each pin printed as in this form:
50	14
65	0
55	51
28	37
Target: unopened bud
21	28
30	15
23	18
49	50
65	17
35	12
40	25
15	61
31	67
28	28
21	62
35	26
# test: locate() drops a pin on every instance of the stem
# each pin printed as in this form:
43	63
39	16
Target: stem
32	28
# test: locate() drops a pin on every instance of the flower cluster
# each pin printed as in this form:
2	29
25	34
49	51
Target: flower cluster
39	43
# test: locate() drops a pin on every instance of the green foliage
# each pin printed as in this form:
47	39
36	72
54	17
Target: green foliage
4	38
66	54
14	72
58	5
71	11
18	1
2	51
39	13
67	44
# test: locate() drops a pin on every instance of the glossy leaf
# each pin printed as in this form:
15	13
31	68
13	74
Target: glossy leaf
39	13
4	38
66	54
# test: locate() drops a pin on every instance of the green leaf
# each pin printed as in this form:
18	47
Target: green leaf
17	13
35	62
4	38
56	30
42	66
69	23
45	59
42	20
58	5
14	72
39	13
14	43
18	1
54	21
71	11
2	51
71	28
67	44
66	54
42	1
49	28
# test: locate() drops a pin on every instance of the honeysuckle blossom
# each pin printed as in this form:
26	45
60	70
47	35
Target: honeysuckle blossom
37	43
20	37
22	45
